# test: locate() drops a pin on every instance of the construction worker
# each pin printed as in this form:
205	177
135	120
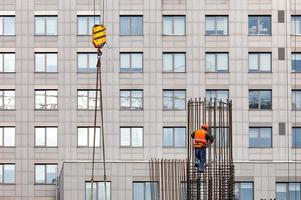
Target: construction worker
201	138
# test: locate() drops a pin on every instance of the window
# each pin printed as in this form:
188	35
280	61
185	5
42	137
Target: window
7	173
46	62
7	62
296	99
260	137
131	62
259	25
296	62
131	136
260	99
221	136
7	100
244	191
145	190
174	62
86	99
296	25
86	23
46	25
288	191
86	62
217	62
46	100
220	95
7	136
46	136
174	25
131	25
45	173
174	99
131	99
7	25
296	137
216	25
260	62
85	136
174	137
98	190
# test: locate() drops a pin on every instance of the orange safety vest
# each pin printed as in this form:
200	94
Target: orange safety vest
200	138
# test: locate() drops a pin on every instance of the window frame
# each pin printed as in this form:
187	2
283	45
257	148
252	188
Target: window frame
173	54
292	22
131	91
3	25
88	136
259	100
239	182
259	137
45	62
2	98
2	182
173	99
97	190
131	142
258	23
215	25
3	63
287	185
294	108
173	135
216	94
2	145
173	25
87	21
45	173
144	186
258	54
292	60
294	146
131	22
45	137
130	54
45	26
216	54
88	69
88	105
45	109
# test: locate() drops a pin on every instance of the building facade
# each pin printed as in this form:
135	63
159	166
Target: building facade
159	54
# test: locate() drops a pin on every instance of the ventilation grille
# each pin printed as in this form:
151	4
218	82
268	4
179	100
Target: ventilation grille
46	2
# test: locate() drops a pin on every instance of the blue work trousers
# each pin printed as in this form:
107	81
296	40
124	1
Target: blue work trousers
200	154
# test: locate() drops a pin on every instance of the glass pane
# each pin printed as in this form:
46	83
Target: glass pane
179	137
180	100
9	25
82	99
82	25
1	173
125	101
210	26
51	99
265	62
125	136
296	62
179	62
137	62
40	100
1	59
254	137
246	190
9	136
9	173
97	137
51	174
223	23
294	191
51	62
168	137
222	95
253	25
167	99
137	99
1	100
167	62
92	62
296	137
167	25
253	100
281	191
101	190
137	26
265	99
9	62
40	173
1	25
9	100
51	137
88	191
179	25
124	62
82	62
266	137
40	62
297	25
264	25
138	191
51	26
82	136
210	62
137	137
1	139
222	62
91	137
40	137
40	25
253	62
125	25
296	98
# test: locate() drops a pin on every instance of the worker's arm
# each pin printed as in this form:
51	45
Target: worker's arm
209	137
192	135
